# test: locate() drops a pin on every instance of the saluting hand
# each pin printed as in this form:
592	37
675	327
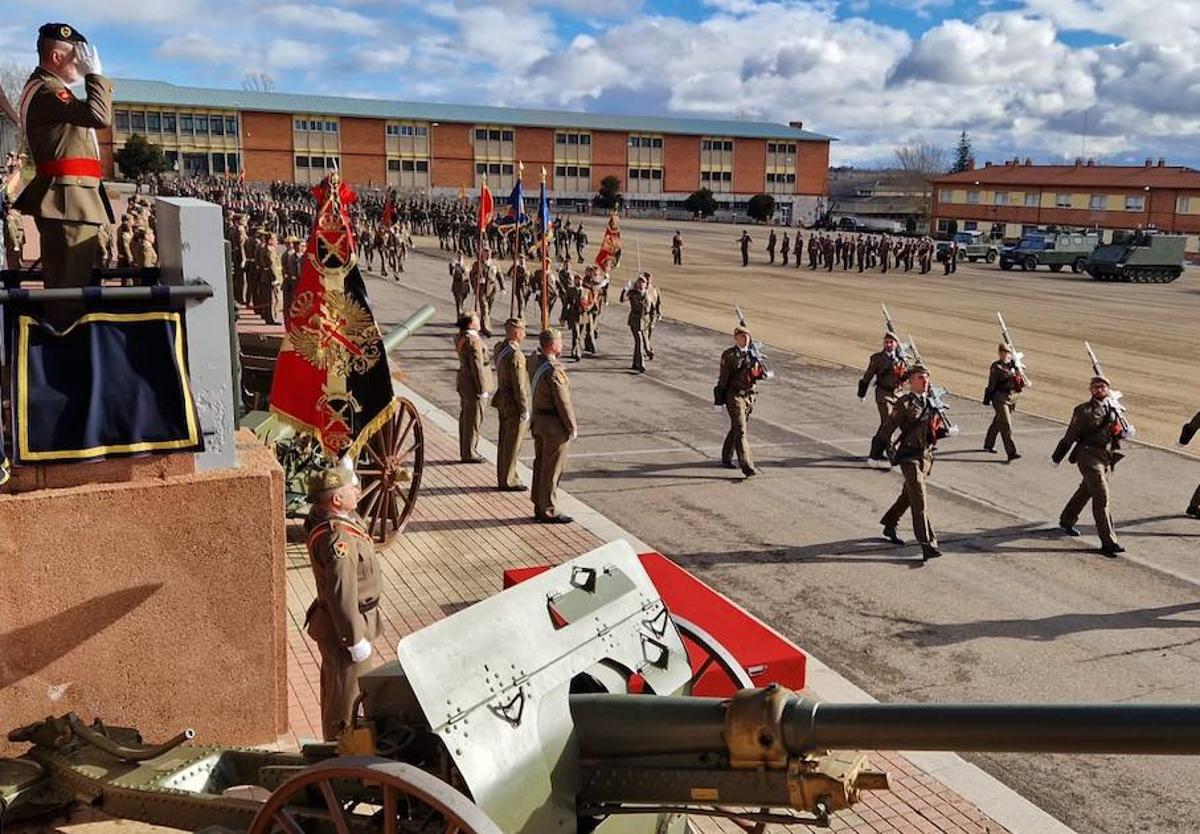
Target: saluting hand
87	58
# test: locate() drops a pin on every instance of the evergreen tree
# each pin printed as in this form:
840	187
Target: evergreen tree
963	154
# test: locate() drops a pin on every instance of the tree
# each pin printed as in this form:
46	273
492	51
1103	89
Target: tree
701	202
963	154
258	82
609	196
139	156
12	81
919	163
761	207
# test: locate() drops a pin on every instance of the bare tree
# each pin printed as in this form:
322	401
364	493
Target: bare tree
919	163
258	82
12	81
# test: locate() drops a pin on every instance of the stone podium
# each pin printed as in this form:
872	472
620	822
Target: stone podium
151	591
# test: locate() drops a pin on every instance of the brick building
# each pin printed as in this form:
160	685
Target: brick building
442	148
1010	197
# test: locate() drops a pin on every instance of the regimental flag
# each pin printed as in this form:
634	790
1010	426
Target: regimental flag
487	207
610	246
389	210
332	378
114	383
544	211
516	204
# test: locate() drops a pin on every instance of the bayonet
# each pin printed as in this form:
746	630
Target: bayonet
1018	357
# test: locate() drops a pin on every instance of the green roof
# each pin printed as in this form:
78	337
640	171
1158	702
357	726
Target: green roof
139	91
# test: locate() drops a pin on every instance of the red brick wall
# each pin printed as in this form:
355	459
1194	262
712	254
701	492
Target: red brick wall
610	156
453	156
681	163
812	168
267	146
535	147
749	166
1165	218
364	157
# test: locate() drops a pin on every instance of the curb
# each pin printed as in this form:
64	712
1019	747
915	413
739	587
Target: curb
1000	802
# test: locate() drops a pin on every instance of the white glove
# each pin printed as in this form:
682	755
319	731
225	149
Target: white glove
952	431
361	650
525	418
1129	432
484	395
863	398
87	58
574	435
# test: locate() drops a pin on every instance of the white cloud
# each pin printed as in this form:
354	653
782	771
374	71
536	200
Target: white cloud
288	54
195	46
321	18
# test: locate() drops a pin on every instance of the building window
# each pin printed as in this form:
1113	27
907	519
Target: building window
973	197
218	126
331	127
506	136
945	196
154	122
481	134
585	138
301	124
1062	201
302	162
137	120
317	162
1098	202
560	170
726	176
1135	203
494	168
970	226
122	120
218	163
1001	198
201	123
705	144
1183	205
231	125
407	165
422	130
943	225
233	164
423	165
185	123
168	122
1031	199
506	169
394	165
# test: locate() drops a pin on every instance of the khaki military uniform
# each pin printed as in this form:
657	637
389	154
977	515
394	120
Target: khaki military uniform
345	611
589	311
639	316
735	390
460	288
144	254
124	246
237	246
1092	442
1001	394
474	380
654	313
104	250
66	197
14	238
572	314
486	281
888	372
511	402
914	455
552	423
274	287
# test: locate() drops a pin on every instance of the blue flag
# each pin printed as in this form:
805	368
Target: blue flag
516	207
544	212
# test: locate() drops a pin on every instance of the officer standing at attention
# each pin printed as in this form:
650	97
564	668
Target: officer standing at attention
740	370
886	368
920	427
1004	384
744	241
344	618
511	402
639	315
552	424
474	385
1185	437
1093	440
66	196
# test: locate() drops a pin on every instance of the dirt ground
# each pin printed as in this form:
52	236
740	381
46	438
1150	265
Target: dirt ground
1143	333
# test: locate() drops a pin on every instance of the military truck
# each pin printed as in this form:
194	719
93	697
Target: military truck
1054	249
1141	257
975	246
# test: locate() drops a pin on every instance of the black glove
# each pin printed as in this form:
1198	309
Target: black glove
1185	436
862	389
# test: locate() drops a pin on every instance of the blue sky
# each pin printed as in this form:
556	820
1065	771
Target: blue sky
1021	76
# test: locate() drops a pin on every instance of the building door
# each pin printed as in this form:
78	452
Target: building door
195	164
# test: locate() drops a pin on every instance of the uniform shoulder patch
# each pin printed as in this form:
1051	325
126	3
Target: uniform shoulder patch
341	549
64	95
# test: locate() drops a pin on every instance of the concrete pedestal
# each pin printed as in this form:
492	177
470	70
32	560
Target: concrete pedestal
157	603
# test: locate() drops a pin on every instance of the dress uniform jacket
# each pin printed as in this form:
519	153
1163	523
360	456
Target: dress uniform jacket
914	419
553	424
1091	441
511	401
474	378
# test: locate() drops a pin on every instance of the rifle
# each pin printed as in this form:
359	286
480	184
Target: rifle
757	354
1018	357
1113	400
935	395
891	328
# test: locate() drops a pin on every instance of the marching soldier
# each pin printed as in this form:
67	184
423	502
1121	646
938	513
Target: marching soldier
588	311
552	424
1185	437
474	385
66	197
344	618
485	279
887	370
1004	384
518	277
511	403
920	426
639	314
654	303
1093	440
740	370
460	287
572	312
744	241
677	249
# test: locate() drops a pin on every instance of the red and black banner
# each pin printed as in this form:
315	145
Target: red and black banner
332	378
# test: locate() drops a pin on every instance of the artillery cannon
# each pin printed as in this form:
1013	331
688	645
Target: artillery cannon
559	705
391	463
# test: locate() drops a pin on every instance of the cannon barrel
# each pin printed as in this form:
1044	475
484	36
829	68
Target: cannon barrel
411	325
617	726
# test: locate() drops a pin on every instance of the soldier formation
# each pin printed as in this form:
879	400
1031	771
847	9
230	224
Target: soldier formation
852	252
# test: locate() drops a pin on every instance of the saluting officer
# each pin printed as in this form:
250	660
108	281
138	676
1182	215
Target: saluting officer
511	402
740	370
66	196
1185	437
474	384
887	370
553	425
920	426
1004	384
1093	439
344	618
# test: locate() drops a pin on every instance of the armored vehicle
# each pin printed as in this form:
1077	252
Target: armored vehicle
563	704
1054	249
1141	257
974	246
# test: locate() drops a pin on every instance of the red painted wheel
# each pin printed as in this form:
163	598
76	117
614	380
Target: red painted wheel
390	467
364	794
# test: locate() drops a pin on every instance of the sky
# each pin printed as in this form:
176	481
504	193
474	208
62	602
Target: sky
1114	80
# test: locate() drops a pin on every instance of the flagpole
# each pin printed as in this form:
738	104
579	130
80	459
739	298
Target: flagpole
516	245
479	255
545	258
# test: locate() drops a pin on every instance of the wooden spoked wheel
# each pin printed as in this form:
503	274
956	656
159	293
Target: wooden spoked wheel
390	469
366	794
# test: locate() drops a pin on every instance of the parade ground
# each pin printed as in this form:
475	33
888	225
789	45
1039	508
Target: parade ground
1014	611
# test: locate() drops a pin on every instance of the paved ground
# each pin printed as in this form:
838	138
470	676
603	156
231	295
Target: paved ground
1014	611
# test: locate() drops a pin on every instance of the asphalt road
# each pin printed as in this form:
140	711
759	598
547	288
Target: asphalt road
1014	611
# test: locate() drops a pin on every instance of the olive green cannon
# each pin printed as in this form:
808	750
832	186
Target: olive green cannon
559	705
